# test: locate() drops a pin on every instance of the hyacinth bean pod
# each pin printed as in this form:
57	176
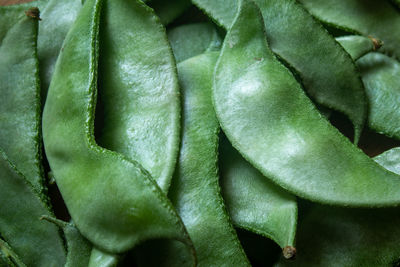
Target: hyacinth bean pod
36	242
379	19
255	98
169	12
20	101
329	77
139	107
351	237
100	258
57	17
193	39
256	204
357	46
195	191
113	201
381	77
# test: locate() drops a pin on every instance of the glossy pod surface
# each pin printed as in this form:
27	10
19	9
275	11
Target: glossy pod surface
381	77
195	191
138	106
351	237
379	19
327	72
113	201
20	100
254	203
256	98
35	241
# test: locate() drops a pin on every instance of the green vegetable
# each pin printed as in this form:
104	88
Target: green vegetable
193	39
139	105
195	191
20	101
357	46
254	203
57	18
369	17
351	237
90	177
256	99
326	71
381	77
36	242
8	257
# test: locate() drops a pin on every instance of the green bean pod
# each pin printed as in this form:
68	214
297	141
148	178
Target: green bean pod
381	77
138	110
57	17
369	18
327	72
351	237
357	46
271	122
193	39
36	242
113	201
20	101
195	191
256	204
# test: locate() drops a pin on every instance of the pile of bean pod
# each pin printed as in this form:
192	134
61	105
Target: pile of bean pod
200	133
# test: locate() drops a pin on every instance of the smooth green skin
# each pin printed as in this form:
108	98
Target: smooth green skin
190	40
351	237
356	46
368	17
8	258
325	69
195	191
57	18
268	118
20	100
113	201
253	202
36	242
169	10
138	111
381	77
99	258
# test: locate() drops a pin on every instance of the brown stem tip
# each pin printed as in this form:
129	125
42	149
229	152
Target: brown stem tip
289	252
376	42
33	12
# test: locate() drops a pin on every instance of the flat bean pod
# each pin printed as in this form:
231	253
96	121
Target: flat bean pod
369	17
195	191
254	203
36	242
138	112
329	76
57	17
357	46
351	237
99	258
20	101
193	39
271	122
381	77
113	201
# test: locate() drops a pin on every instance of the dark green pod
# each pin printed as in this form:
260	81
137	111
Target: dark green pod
113	201
327	72
271	122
